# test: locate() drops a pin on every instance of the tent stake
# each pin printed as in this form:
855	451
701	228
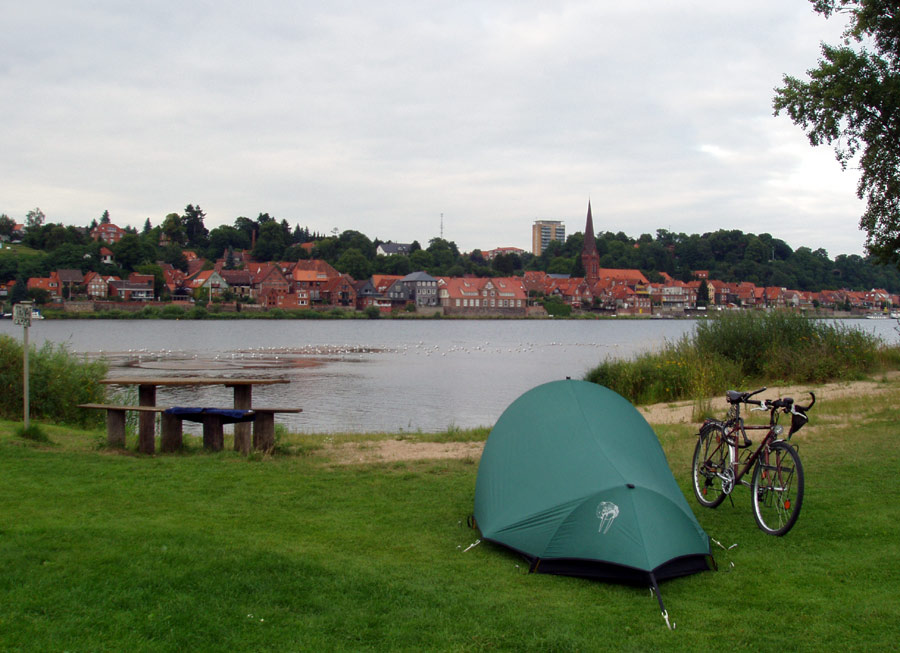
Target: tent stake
654	589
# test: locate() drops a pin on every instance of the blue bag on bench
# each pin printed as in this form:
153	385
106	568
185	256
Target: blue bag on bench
229	416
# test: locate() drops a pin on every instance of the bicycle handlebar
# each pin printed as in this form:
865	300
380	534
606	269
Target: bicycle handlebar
787	403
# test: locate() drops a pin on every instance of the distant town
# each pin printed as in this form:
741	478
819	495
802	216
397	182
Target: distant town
264	264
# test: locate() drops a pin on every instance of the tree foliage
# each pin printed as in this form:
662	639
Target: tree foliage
34	218
7	226
196	233
728	255
851	102
270	244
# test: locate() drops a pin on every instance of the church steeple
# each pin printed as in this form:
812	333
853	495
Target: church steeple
589	256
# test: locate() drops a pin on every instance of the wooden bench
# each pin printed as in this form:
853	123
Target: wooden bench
171	427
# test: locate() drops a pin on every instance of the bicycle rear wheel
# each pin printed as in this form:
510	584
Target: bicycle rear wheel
710	460
777	488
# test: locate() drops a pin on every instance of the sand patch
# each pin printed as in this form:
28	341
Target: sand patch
383	451
681	412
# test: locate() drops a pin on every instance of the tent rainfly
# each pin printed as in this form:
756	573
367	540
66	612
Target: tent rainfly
573	478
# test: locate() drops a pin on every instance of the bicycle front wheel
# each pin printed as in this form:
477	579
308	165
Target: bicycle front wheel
710	460
777	488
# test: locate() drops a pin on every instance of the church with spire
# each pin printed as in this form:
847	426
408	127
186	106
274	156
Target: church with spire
589	256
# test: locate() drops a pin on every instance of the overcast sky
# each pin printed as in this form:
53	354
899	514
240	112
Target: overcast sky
381	117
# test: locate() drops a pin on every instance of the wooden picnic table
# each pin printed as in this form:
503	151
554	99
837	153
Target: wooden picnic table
243	399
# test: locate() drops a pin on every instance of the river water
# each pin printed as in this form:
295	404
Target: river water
369	375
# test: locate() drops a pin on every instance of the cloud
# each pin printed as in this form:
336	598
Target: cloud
380	118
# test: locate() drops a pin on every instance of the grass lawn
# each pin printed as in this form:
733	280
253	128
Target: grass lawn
109	551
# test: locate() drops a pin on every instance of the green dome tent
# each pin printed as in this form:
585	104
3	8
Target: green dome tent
573	478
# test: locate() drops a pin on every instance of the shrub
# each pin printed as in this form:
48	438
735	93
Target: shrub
556	306
148	312
172	312
679	371
734	350
59	381
787	346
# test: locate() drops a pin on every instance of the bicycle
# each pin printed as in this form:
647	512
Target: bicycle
721	462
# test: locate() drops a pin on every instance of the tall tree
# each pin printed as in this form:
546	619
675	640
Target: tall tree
703	293
197	234
224	238
34	218
104	219
173	229
246	225
19	292
130	252
354	263
270	244
7	226
851	101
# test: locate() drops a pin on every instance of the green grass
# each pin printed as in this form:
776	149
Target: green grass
105	550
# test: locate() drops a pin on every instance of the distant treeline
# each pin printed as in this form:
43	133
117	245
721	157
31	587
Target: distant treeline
728	255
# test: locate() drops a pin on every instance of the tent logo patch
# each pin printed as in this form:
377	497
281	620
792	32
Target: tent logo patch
606	513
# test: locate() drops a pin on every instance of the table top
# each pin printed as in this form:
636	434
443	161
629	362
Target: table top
191	380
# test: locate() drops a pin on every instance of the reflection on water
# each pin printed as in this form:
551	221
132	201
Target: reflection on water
369	376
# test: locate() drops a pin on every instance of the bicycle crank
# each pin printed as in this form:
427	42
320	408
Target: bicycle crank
727	477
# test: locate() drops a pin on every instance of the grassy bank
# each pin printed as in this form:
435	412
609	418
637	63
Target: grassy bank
744	348
112	551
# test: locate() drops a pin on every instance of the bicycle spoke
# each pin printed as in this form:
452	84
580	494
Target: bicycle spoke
777	489
710	460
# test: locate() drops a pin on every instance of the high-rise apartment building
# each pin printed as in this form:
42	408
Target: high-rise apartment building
543	231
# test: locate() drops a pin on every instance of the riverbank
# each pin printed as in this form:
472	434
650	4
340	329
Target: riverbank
391	449
221	311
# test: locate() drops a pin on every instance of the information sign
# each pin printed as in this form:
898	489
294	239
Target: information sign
22	314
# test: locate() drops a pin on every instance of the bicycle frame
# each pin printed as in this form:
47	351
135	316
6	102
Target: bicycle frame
739	469
734	455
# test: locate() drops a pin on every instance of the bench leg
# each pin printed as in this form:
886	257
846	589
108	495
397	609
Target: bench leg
243	399
171	438
213	433
115	428
264	432
147	421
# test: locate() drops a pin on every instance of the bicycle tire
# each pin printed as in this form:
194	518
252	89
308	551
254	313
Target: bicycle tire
710	455
777	488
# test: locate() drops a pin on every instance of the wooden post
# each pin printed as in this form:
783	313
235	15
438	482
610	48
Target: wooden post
147	419
213	434
115	428
264	431
171	436
25	381
243	400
